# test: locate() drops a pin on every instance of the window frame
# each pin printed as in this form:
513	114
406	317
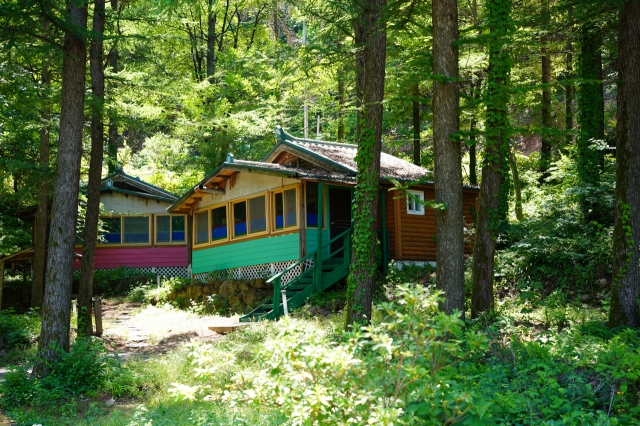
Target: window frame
272	209
418	194
324	207
195	227
122	243
231	222
226	210
155	230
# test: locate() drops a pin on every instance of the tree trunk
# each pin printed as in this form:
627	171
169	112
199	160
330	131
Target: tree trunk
112	139
416	124
447	164
92	214
371	25
341	92
496	146
44	189
516	182
626	233
56	309
473	161
569	91
211	42
545	149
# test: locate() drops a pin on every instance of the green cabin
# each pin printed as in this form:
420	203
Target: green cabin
288	217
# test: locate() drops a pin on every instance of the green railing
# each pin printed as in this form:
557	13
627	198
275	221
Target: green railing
315	271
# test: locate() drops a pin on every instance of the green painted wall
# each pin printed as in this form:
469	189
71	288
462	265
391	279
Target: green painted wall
312	240
246	253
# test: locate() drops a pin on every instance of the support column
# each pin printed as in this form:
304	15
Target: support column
318	259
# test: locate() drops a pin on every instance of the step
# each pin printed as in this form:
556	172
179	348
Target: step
298	286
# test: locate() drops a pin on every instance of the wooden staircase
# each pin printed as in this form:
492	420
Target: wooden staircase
326	271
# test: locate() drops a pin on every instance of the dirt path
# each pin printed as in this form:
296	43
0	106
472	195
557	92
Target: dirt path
131	328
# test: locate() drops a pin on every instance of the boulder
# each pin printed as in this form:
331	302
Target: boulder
242	286
253	296
234	302
194	292
226	289
259	283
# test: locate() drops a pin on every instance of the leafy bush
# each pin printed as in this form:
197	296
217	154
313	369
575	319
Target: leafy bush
151	293
80	371
400	369
117	281
17	331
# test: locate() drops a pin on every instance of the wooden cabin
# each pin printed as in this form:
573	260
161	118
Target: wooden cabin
290	212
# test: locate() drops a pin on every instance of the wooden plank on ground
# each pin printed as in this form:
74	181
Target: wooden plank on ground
228	328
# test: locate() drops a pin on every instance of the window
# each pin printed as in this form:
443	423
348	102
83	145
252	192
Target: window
250	216
170	229
125	230
201	227
111	230
415	202
312	204
285	209
219	223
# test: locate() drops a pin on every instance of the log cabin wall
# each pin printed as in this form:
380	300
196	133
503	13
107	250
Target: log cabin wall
412	237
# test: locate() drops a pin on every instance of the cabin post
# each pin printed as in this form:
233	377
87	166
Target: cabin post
1	282
383	217
318	260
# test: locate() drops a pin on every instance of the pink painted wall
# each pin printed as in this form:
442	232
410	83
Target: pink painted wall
137	257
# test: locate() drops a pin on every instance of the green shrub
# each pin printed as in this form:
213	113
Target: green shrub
118	281
18	331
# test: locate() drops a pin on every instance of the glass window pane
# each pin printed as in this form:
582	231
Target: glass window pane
163	230
257	215
219	223
202	227
290	211
178	226
312	204
240	219
110	230
279	210
136	230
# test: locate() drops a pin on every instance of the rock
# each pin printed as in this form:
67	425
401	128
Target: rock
110	403
194	292
242	286
602	282
253	296
259	283
586	298
226	289
234	302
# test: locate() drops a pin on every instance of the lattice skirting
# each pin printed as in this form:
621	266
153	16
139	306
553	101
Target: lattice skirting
163	271
264	271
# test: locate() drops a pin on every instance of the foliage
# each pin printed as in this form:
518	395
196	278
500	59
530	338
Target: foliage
330	381
117	281
157	294
17	334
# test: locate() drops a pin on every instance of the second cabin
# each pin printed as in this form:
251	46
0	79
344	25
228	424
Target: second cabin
289	217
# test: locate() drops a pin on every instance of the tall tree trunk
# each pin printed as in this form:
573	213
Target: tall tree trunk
473	157
496	146
625	292
590	113
211	42
370	23
44	189
545	149
56	309
516	182
416	124
341	94
92	214
569	91
112	138
447	163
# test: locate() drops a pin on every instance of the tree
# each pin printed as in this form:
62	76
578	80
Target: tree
495	159
56	308
545	149
370	30
92	215
446	147
626	233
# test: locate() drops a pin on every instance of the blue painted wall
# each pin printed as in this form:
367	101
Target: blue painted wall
246	253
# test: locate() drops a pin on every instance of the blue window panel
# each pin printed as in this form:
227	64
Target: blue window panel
138	237
112	238
163	237
279	221
312	219
178	236
219	232
240	228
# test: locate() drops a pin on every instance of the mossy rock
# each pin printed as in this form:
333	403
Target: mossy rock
226	289
194	292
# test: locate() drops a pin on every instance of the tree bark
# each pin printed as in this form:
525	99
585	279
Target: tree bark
44	189
545	149
416	125
370	29
624	292
496	146
211	42
569	92
92	214
56	308
112	138
516	182
447	164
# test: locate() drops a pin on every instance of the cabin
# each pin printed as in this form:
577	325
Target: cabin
137	232
288	217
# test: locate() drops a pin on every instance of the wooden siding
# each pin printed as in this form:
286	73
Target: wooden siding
417	232
131	204
312	240
247	253
246	183
138	257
